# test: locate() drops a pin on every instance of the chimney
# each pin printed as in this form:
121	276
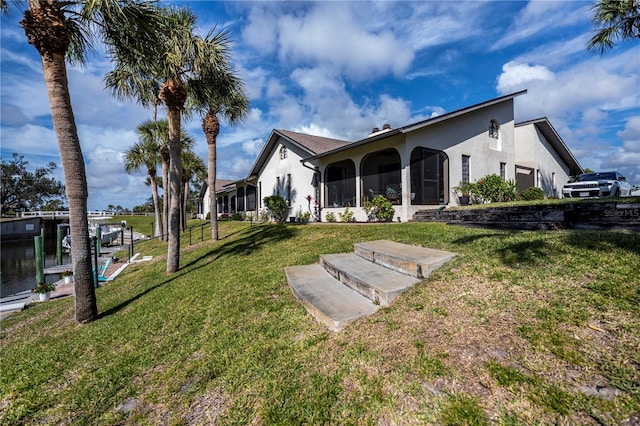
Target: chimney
375	130
387	126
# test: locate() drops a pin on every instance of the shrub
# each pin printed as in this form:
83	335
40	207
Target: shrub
494	189
304	217
379	209
346	216
330	217
237	216
277	207
533	193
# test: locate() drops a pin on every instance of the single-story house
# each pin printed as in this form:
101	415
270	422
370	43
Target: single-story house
416	166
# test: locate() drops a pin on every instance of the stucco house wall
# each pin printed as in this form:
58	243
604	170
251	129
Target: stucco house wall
287	177
534	150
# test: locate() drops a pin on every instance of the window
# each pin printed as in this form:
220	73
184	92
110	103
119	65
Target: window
283	152
289	189
340	181
503	171
465	169
277	185
240	193
251	198
260	193
494	129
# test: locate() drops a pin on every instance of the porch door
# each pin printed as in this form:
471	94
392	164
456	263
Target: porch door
429	170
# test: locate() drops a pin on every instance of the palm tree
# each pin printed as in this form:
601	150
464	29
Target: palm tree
233	106
66	30
146	153
615	20
192	165
181	60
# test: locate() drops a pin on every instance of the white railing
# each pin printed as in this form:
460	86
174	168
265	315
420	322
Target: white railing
66	213
90	213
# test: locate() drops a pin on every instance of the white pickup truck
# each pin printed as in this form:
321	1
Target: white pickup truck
603	184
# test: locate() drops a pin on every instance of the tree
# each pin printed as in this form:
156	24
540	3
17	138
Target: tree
233	105
181	60
192	166
24	190
614	20
151	136
67	30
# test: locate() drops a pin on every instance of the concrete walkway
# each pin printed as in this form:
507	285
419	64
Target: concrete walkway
344	287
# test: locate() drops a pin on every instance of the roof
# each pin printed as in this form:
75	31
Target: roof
314	144
310	144
220	186
420	124
556	142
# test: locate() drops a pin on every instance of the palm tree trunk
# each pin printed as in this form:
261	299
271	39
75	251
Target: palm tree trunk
211	128
175	172
164	158
156	205
55	77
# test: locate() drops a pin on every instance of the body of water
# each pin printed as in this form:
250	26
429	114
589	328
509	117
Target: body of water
18	267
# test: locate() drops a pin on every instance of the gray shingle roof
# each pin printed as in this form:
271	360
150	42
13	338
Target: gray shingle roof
314	144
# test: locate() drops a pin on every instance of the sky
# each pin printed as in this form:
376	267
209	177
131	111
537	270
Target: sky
340	68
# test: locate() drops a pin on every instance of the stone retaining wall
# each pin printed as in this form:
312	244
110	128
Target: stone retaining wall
580	215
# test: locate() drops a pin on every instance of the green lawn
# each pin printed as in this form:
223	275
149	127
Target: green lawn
520	328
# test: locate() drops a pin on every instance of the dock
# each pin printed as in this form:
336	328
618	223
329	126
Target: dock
19	301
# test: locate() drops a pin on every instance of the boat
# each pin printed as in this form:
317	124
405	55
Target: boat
109	232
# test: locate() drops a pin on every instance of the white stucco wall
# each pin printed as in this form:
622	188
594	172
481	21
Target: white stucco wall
469	135
301	178
533	150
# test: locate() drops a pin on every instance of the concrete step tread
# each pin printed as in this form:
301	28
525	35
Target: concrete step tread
375	282
326	298
407	259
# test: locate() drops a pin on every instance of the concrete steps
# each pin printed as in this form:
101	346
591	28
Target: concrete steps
344	287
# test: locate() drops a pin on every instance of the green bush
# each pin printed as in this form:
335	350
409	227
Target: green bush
533	193
304	217
346	216
379	209
330	217
237	216
277	207
494	189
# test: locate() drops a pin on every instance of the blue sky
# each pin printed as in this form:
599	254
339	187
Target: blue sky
338	69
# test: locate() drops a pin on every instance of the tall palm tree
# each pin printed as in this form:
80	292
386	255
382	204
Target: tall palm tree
181	60
66	31
145	153
232	106
615	20
192	166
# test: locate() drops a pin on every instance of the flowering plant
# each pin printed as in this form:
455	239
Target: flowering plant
43	288
66	273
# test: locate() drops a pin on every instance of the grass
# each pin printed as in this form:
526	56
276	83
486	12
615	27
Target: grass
520	328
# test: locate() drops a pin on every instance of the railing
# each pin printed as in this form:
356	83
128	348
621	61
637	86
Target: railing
90	213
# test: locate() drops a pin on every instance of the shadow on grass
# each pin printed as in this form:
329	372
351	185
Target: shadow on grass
254	238
605	240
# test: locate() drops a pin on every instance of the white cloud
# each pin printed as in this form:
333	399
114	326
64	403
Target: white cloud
516	76
630	135
541	17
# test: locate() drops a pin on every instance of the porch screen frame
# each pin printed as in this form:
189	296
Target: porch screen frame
340	184
429	173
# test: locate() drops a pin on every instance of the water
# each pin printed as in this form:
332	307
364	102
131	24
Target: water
18	266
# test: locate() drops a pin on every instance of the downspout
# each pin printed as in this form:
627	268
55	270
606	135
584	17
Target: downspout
317	207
